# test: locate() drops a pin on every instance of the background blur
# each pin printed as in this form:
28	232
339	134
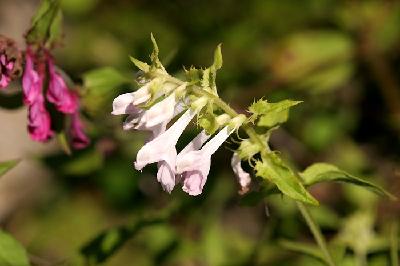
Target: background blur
342	58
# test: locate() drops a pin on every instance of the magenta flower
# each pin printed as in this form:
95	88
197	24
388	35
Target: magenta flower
78	137
6	67
58	93
32	82
39	125
194	165
242	176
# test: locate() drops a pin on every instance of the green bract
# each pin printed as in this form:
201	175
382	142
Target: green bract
270	114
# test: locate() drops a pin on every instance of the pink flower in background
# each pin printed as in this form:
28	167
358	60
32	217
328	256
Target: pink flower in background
194	165
32	82
78	137
242	176
58	93
10	61
6	67
39	125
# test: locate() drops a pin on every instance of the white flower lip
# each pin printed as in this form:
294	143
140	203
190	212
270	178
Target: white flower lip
242	176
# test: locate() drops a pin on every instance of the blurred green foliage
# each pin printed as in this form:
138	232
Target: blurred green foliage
341	58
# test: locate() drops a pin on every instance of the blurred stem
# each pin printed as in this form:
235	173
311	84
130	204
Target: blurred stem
394	243
385	78
316	231
319	238
361	259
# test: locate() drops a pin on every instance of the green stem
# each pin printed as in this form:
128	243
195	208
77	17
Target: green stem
394	243
316	231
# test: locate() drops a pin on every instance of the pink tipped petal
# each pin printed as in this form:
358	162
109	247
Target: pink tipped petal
9	65
166	171
123	104
242	176
159	148
31	80
58	93
39	121
4	81
194	165
79	138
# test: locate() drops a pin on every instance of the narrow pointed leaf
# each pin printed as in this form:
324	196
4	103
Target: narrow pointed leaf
141	65
12	253
323	172
8	165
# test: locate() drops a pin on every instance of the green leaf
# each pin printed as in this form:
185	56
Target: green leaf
323	172
101	85
217	58
247	149
55	31
156	63
12	253
46	24
8	165
62	140
308	249
108	242
274	170
141	65
271	114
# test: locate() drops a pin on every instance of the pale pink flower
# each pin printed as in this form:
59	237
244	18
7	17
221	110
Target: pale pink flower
39	125
194	165
32	82
161	112
58	93
128	103
162	149
78	137
242	176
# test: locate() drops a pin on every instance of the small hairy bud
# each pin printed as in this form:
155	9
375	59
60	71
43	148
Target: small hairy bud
10	61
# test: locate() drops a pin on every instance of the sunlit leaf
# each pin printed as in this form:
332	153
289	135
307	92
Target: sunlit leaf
46	24
283	177
12	253
8	165
323	172
271	114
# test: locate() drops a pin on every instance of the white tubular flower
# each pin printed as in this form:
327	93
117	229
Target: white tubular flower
242	176
194	165
162	149
127	103
161	112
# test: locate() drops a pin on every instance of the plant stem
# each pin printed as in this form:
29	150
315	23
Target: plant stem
314	228
316	231
394	243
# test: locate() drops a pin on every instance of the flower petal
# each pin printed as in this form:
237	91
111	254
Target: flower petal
158	149
58	93
242	176
31	80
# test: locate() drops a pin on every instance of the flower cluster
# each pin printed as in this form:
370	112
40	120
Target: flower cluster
40	71
10	61
151	108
